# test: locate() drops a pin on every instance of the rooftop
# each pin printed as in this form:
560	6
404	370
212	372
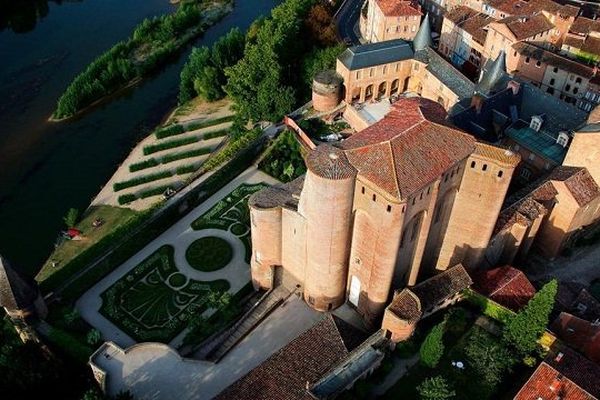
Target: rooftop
505	285
583	26
283	195
582	335
576	368
547	57
578	181
17	292
523	27
546	382
541	143
446	73
408	149
589	44
373	54
399	8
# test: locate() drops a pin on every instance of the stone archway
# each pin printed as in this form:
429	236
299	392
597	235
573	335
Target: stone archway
406	82
355	94
369	92
394	87
381	89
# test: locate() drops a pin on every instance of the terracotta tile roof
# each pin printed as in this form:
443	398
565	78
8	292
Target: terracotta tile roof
582	335
409	148
537	53
285	374
526	209
505	285
470	21
548	383
399	8
578	181
509	7
282	195
411	303
575	367
550	6
584	26
497	153
329	162
589	44
526	27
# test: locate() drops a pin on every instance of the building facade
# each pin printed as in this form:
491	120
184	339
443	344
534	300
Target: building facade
382	20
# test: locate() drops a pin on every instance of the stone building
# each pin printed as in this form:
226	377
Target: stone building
382	20
404	198
379	70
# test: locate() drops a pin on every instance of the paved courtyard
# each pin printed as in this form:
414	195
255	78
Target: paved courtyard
180	236
155	371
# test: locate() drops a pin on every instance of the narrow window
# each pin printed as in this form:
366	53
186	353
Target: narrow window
374	197
484	168
389	208
414	200
472	164
363	190
500	174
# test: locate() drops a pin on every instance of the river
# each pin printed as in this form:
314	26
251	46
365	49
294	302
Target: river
47	168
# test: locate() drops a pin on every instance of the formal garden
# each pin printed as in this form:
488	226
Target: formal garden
154	301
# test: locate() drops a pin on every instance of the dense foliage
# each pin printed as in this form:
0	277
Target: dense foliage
432	349
524	329
283	160
318	59
151	44
204	73
436	388
488	357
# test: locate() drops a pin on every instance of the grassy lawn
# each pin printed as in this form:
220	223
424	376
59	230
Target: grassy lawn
209	254
154	302
113	218
231	214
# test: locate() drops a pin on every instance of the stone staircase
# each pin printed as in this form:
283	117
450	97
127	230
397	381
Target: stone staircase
251	319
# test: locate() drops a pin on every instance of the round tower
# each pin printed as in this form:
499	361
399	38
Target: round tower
326	90
326	203
265	217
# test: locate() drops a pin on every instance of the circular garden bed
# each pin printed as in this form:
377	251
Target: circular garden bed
209	253
177	280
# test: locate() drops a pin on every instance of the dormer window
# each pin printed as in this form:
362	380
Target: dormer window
536	123
562	139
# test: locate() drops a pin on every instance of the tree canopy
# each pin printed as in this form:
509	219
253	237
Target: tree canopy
488	358
523	330
436	388
432	348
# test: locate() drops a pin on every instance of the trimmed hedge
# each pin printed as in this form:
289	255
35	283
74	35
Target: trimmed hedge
126	198
169	131
185	154
215	134
153	148
152	162
154	191
141	180
488	307
186	169
204	124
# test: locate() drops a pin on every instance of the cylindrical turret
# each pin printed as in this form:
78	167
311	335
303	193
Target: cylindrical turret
326	203
326	90
265	216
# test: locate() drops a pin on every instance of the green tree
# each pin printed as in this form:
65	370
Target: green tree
93	337
71	217
523	330
318	60
488	357
436	388
432	349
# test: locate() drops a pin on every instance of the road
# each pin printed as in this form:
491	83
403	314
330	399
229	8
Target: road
347	18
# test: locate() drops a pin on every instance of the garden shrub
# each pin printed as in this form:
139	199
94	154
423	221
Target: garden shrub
211	122
117	186
184	154
152	162
488	307
126	198
436	388
171	130
283	159
214	134
154	191
153	148
432	348
186	169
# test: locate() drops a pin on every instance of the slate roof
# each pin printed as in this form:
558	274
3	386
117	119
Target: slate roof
579	182
409	148
546	383
283	195
582	335
493	75
373	54
592	306
399	8
410	304
452	78
17	292
541	143
545	56
285	374
523	27
422	39
505	285
503	108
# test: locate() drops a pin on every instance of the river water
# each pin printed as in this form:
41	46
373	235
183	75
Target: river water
47	168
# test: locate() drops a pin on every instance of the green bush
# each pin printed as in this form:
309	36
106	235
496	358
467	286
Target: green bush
488	307
211	122
153	148
283	159
169	131
140	180
126	198
152	162
432	348
436	388
214	134
186	169
154	191
184	154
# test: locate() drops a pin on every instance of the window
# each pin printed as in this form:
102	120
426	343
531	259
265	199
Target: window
578	80
517	147
525	173
472	164
527	60
552	81
538	63
374	197
575	90
550	90
555	69
567	88
389	208
363	190
484	168
414	28
500	173
531	157
405	28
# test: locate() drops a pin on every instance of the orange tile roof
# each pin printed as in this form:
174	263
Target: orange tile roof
548	383
470	21
399	8
579	182
500	154
528	26
582	335
505	285
584	26
408	149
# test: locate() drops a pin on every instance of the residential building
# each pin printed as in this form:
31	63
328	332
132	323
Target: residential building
382	20
583	41
504	285
581	335
463	36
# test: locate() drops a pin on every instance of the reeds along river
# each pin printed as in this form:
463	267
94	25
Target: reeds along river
47	168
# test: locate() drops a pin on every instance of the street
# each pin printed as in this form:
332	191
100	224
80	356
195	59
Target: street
347	19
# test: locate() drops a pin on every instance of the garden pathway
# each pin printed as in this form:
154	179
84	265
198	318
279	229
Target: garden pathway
155	371
180	235
401	367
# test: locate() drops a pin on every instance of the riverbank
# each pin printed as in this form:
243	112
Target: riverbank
126	64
